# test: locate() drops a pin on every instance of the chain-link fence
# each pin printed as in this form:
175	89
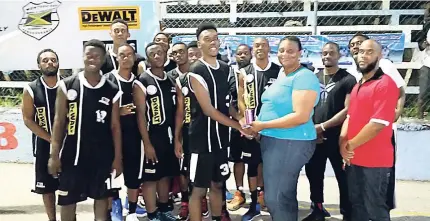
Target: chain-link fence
304	17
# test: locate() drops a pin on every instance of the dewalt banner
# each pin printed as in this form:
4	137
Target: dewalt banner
100	18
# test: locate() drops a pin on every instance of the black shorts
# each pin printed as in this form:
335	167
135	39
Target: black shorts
184	163
44	182
209	167
237	142
168	163
79	182
251	152
133	159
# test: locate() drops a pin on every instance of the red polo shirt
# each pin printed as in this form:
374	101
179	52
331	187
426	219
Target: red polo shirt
373	101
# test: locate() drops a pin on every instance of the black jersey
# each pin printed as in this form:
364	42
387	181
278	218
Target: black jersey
175	73
169	65
160	100
44	106
128	122
183	83
207	135
111	63
257	81
89	136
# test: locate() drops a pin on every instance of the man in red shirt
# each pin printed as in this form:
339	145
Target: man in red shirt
365	140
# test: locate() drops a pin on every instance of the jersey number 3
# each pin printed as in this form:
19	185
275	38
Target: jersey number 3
225	170
8	140
101	116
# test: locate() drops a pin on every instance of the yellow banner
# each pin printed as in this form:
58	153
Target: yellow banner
100	18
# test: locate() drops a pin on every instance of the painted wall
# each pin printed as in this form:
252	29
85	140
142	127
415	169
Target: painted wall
413	147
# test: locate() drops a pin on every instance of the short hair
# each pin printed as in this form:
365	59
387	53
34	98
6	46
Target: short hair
244	45
46	50
127	45
294	39
334	44
121	21
149	45
192	44
205	26
161	33
97	44
179	43
359	34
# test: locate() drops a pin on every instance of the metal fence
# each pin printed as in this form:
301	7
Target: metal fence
298	17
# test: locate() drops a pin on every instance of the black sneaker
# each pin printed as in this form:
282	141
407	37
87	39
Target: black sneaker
315	216
326	213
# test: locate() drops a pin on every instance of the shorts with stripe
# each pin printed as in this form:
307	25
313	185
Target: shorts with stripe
44	182
184	163
237	143
209	167
133	160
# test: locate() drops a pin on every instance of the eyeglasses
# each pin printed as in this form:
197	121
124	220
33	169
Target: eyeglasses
179	52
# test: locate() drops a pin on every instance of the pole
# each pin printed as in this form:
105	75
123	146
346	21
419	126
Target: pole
315	23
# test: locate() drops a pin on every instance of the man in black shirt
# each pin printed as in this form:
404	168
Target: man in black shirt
209	126
336	85
154	95
88	132
38	109
179	53
120	33
162	39
194	52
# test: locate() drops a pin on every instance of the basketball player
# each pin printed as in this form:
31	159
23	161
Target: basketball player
194	52
208	141
119	33
38	109
253	80
243	59
155	97
131	142
87	130
162	39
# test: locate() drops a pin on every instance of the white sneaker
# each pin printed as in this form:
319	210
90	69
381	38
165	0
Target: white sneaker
132	217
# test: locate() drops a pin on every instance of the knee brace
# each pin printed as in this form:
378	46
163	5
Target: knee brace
252	170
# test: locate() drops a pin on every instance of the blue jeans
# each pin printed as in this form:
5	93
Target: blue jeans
283	160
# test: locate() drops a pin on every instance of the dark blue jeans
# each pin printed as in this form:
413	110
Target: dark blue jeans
368	193
283	160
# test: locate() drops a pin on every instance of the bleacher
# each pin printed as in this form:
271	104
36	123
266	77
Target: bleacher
286	17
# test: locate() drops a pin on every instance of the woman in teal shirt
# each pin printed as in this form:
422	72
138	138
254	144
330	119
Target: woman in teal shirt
287	132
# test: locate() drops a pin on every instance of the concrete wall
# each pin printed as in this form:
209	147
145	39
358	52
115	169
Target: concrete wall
413	150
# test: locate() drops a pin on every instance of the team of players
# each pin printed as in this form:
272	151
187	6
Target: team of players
180	108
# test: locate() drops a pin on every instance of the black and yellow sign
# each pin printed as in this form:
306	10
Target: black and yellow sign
187	104
73	114
100	18
251	98
41	116
156	111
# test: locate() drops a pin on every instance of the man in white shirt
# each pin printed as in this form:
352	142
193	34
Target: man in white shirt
389	69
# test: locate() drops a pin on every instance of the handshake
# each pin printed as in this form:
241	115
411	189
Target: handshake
250	130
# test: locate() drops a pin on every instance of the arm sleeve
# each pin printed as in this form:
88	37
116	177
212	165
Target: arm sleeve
389	69
306	80
384	102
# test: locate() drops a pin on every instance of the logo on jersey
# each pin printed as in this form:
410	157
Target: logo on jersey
39	19
156	112
185	91
151	90
104	100
41	116
101	115
187	104
72	94
249	78
251	99
73	114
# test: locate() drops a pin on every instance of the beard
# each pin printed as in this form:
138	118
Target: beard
370	67
50	73
242	64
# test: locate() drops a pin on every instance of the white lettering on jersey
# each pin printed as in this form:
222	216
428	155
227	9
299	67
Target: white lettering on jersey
101	116
104	100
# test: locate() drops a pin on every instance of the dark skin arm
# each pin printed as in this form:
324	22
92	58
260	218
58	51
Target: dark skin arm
139	99
400	103
117	139
179	120
28	113
58	132
337	119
